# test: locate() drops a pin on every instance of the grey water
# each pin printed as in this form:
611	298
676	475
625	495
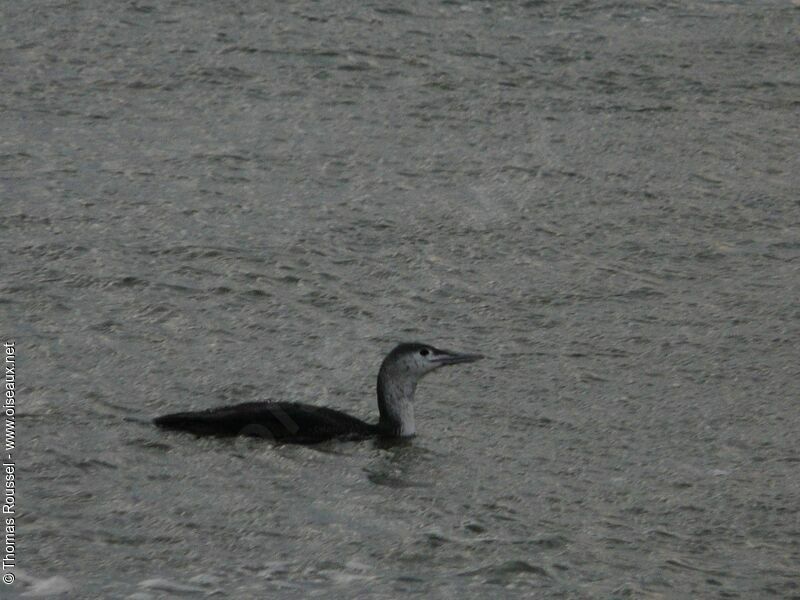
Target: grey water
206	203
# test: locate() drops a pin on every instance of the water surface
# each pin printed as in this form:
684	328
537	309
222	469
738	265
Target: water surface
208	203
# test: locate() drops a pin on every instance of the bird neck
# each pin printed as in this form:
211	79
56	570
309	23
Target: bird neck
396	402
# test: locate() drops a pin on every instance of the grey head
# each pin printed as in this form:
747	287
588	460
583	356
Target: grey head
400	372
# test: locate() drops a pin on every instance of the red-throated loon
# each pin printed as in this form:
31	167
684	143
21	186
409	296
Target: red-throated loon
296	423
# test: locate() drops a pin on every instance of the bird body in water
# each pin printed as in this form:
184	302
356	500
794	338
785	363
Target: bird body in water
292	422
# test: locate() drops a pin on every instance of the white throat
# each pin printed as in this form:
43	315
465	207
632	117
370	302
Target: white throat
396	402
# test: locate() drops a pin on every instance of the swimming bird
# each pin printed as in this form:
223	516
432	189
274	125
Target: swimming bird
292	422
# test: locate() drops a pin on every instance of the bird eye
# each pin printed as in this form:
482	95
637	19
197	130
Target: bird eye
424	352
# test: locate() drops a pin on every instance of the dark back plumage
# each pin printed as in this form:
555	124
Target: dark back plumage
280	421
